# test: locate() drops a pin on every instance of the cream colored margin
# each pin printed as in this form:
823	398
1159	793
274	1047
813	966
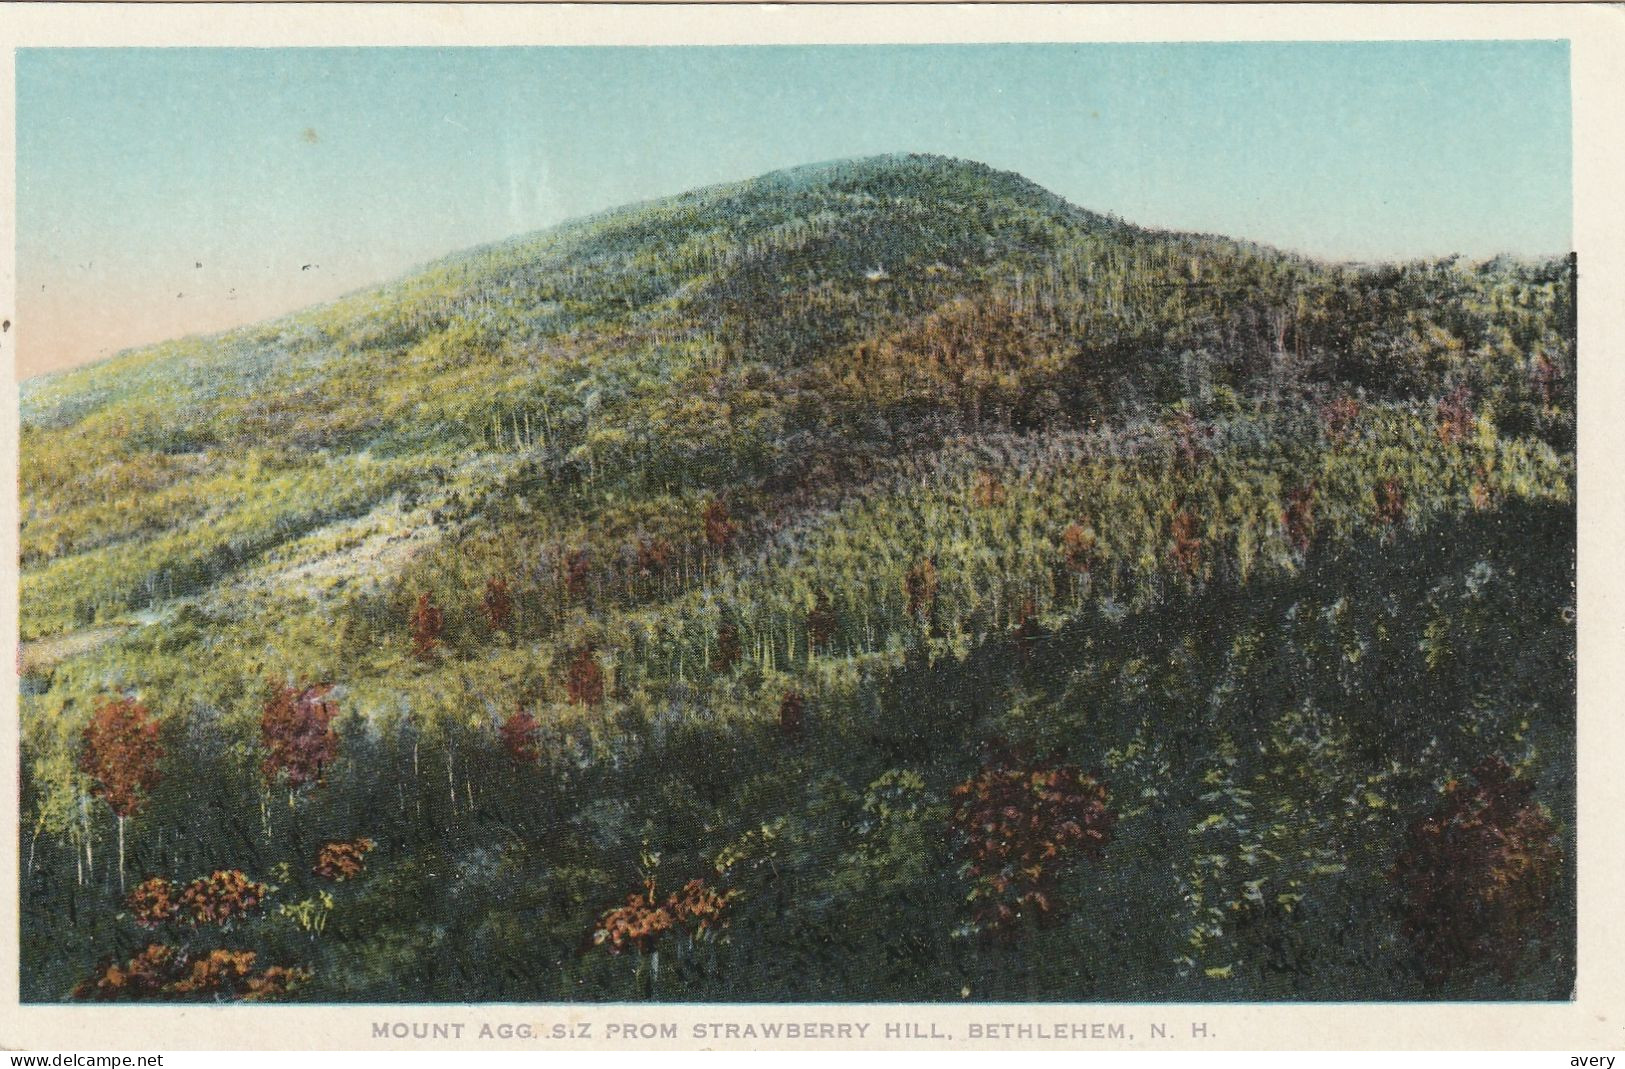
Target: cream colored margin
1596	1020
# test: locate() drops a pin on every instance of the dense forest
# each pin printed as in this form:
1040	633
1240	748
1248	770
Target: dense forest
879	580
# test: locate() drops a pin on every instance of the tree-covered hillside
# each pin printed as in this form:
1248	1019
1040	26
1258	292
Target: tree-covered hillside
875	580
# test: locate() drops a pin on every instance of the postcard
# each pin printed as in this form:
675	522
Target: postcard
832	527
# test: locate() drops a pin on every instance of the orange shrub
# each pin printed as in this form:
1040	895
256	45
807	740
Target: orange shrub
987	490
1455	415
1338	417
698	910
154	901
220	897
166	972
1390	502
343	860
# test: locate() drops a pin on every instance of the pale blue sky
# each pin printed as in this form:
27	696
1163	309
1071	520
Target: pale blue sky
135	165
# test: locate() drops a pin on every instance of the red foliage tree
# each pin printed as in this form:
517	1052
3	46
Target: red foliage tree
1080	546
343	860
720	528
521	737
584	679
1185	548
497	604
1298	517
1019	827
1478	875
427	623
920	587
1542	373
120	753
296	730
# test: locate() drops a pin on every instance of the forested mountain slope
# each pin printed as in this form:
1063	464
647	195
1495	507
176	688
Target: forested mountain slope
730	546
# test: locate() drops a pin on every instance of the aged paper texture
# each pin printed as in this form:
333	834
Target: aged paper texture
727	526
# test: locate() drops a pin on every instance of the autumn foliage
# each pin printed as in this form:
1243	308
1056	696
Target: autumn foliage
220	897
497	604
920	587
427	623
120	753
165	972
216	899
520	734
1019	827
577	570
1079	546
987	490
1185	544
584	679
1298	517
720	528
1455	415
654	556
296	730
154	901
343	860
1479	874
697	910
